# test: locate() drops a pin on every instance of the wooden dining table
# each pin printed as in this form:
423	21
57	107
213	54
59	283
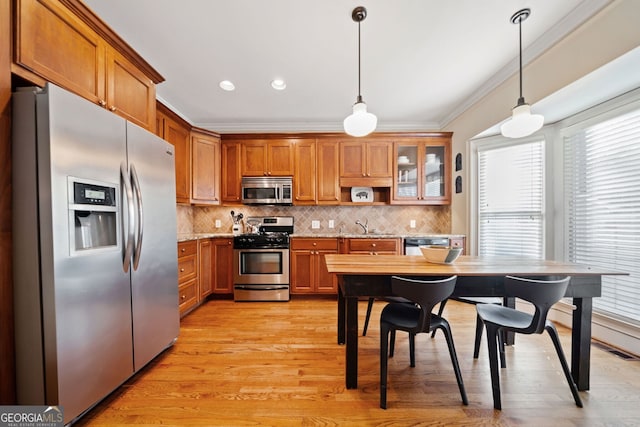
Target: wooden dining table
370	276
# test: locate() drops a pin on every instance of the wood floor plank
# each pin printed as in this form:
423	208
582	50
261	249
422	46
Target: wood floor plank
278	364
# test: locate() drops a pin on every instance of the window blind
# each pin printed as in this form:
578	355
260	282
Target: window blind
602	208
511	200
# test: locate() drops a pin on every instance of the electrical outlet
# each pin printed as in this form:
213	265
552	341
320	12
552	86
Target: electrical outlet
412	223
315	224
218	223
332	224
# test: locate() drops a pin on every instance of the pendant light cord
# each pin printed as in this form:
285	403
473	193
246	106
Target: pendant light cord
359	99
521	99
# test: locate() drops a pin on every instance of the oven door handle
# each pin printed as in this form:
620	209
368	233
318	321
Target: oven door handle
262	287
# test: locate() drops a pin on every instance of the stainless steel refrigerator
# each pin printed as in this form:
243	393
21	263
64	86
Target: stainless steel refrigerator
95	257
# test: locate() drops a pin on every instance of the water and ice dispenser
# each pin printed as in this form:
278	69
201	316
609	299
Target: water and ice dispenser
93	215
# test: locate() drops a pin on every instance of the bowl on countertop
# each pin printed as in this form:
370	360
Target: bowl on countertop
440	254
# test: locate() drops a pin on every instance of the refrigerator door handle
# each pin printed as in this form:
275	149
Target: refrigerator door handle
140	218
129	232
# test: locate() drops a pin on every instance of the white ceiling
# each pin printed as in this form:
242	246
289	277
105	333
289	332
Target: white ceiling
423	61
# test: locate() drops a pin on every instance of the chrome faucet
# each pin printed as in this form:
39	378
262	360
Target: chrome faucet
364	226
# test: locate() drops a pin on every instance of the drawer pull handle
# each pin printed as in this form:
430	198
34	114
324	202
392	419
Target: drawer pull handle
182	270
183	250
184	296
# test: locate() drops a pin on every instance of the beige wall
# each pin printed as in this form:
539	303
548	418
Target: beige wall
609	34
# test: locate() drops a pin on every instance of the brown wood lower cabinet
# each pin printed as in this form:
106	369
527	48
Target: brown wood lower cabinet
372	246
458	242
308	269
187	276
205	270
222	260
205	266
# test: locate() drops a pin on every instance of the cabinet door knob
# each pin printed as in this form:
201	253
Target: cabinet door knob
183	250
112	108
315	244
182	270
183	297
373	245
102	103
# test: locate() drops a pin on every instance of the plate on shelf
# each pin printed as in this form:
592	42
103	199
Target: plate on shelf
362	194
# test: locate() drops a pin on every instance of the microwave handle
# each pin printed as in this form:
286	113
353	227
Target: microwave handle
278	193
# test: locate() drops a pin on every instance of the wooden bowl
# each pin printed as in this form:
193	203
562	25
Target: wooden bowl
440	254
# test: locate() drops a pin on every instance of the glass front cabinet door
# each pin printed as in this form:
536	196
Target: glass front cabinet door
422	171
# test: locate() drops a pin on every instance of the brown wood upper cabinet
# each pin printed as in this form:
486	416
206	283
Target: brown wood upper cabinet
328	170
366	163
304	178
272	157
205	168
177	132
422	171
54	43
231	174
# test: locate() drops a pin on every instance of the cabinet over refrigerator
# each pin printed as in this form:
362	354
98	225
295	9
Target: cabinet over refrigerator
95	258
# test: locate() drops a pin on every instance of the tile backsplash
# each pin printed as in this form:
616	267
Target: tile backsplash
383	219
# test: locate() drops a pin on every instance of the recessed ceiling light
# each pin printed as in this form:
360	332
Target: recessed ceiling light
278	84
227	85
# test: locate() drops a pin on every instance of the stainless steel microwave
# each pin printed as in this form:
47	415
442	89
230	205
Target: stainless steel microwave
267	190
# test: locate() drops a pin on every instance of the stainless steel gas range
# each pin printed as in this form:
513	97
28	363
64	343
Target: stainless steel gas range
261	260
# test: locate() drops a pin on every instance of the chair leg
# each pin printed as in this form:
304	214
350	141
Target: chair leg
384	342
479	328
392	345
366	319
492	345
553	333
446	329
440	310
412	350
503	360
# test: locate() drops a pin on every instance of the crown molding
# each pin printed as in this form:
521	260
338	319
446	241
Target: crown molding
578	16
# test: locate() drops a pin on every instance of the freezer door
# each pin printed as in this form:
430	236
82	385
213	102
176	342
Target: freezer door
154	280
85	309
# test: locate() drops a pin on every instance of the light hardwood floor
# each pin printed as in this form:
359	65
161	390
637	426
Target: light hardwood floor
278	364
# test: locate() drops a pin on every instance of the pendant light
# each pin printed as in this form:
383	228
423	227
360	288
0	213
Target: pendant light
522	122
360	122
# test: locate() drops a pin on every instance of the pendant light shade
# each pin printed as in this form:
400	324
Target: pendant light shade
522	122
360	122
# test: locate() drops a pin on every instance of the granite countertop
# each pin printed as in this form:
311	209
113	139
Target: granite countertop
375	235
183	237
195	236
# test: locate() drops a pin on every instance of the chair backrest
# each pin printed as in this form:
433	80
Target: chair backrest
424	292
541	293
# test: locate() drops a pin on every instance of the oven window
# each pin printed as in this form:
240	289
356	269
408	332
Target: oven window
259	193
260	262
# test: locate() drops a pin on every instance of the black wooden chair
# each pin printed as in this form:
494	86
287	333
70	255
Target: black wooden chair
415	318
479	326
496	318
370	306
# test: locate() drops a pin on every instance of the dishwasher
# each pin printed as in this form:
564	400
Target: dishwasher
411	244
